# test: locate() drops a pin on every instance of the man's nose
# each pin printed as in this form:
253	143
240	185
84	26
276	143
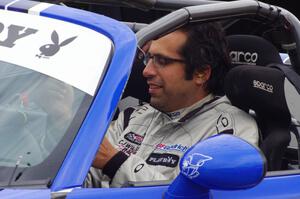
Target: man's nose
149	70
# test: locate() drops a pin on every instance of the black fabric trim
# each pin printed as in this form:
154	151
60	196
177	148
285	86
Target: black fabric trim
127	114
193	112
228	131
114	164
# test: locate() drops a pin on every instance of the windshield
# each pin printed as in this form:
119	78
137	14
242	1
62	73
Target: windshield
50	71
36	110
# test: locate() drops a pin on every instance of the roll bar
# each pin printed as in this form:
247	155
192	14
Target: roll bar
167	5
263	12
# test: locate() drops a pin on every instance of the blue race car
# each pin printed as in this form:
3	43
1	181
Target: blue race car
64	71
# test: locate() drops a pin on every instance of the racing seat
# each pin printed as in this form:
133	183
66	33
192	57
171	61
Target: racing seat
254	51
266	90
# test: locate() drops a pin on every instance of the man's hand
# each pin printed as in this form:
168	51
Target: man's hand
104	154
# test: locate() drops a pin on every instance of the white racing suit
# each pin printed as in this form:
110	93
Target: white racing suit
151	143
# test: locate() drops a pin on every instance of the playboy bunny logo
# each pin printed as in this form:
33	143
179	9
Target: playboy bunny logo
49	50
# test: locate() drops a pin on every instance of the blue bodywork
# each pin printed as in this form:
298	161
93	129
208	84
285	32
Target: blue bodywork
78	160
28	194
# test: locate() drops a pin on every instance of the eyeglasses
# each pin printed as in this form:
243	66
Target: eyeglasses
160	60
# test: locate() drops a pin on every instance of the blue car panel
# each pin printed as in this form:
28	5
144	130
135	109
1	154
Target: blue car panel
277	187
62	170
119	193
28	194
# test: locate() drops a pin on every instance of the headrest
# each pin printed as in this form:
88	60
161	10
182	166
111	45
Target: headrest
252	50
137	86
258	88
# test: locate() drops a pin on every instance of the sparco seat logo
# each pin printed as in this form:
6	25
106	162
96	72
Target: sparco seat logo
240	57
191	164
263	86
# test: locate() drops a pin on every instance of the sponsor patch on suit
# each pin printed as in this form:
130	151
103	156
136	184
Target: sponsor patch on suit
163	159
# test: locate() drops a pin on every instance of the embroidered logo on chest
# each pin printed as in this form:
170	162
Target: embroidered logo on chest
163	159
172	147
224	124
127	147
134	138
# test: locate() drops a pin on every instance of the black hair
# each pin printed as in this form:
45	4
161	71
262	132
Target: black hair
206	46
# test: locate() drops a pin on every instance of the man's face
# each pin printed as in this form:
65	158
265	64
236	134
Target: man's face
168	87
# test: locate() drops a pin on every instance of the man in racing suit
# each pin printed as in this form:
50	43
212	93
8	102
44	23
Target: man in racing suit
184	71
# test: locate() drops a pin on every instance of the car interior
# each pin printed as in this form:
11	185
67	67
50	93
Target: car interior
260	90
247	89
256	85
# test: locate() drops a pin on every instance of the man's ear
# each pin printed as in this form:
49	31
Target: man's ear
200	77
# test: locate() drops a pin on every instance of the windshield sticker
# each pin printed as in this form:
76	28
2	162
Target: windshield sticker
71	53
51	49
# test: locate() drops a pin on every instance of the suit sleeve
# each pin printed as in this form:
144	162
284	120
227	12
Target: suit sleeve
246	128
238	123
96	177
135	169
